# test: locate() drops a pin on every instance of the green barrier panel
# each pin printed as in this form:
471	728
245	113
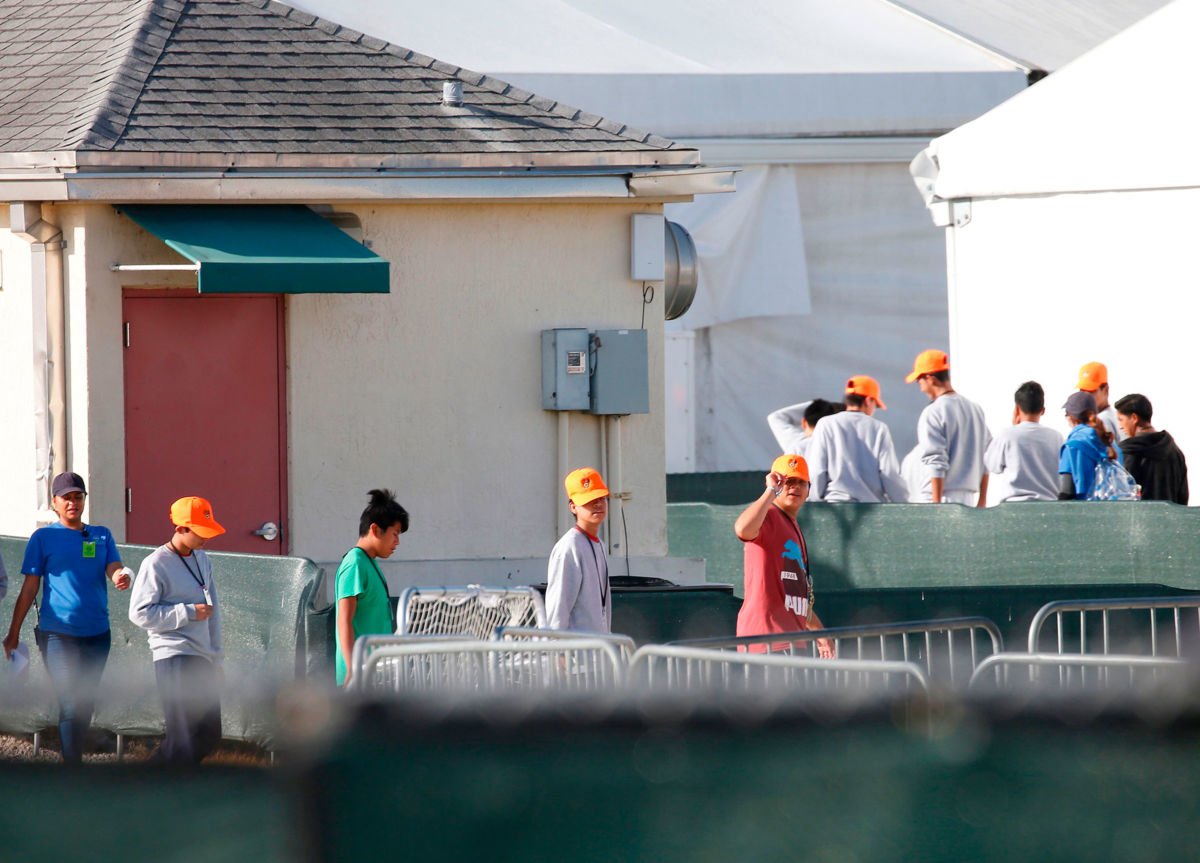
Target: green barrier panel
795	787
874	562
731	487
265	603
51	814
656	615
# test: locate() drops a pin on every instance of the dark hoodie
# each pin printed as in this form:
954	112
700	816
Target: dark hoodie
1157	465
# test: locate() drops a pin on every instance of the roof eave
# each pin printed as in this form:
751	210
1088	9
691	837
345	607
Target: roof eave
498	160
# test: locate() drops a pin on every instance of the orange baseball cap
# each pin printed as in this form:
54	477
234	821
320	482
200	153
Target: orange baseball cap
585	485
1092	376
790	465
195	513
861	385
928	362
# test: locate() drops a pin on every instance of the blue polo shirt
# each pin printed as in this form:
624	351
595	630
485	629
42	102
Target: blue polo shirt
71	564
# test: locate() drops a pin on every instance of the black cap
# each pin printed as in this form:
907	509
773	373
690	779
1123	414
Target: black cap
1080	404
65	483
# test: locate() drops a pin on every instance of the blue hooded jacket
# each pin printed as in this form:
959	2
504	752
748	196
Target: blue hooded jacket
1080	453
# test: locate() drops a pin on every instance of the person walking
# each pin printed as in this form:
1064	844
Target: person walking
72	563
175	600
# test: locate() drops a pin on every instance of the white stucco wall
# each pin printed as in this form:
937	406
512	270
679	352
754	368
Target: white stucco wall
1041	285
18	467
433	390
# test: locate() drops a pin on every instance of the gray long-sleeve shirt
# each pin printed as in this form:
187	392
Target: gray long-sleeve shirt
852	458
1025	458
578	596
163	602
952	435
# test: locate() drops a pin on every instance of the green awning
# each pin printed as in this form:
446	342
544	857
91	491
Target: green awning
267	248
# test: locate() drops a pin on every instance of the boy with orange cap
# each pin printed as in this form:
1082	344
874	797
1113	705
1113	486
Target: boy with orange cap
175	600
578	595
852	457
952	436
778	586
1093	378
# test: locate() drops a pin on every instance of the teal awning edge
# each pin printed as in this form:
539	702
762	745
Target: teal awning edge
264	248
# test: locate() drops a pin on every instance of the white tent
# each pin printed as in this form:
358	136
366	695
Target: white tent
823	264
1070	223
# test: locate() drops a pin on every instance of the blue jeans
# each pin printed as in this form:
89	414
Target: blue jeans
75	665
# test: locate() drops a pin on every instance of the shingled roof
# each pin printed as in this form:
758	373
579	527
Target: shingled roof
209	79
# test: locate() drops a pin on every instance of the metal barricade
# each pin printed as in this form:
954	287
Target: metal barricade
1078	672
678	668
1100	630
946	650
457	665
625	645
472	611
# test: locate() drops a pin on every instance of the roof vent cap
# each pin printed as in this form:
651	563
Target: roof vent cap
452	96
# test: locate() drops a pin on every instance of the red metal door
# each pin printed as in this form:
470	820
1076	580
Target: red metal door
205	414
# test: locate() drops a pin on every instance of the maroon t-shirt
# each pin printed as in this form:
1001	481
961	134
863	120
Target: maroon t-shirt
777	581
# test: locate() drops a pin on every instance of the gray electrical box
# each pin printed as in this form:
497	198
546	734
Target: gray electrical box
565	369
620	372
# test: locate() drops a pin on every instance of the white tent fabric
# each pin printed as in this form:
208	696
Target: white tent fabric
874	304
689	68
1040	34
1080	242
746	269
1113	119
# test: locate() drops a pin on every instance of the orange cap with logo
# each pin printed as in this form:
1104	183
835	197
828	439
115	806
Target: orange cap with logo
861	385
1092	376
928	362
790	465
195	513
585	485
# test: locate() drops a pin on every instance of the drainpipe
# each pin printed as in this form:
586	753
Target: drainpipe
49	344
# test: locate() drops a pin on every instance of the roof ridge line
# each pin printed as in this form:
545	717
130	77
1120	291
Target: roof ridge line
467	76
126	84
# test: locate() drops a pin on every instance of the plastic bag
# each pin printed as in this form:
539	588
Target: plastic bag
1113	482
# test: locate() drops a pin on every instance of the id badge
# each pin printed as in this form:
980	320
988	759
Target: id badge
89	549
207	597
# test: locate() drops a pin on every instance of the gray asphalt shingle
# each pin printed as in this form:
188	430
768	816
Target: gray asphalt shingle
255	76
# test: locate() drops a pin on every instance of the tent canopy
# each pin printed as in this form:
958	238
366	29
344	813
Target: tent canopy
1118	118
695	68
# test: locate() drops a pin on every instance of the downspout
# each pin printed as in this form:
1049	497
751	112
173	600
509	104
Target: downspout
49	345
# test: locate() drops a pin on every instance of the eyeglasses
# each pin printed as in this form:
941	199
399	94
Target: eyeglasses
73	496
794	482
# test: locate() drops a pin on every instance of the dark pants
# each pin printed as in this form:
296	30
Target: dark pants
75	665
189	687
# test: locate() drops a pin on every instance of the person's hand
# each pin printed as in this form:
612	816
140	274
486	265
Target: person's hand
122	578
825	648
10	644
774	483
203	612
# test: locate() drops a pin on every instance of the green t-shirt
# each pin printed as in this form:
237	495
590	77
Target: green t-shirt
359	576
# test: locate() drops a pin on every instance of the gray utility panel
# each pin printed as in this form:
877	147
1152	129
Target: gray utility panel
606	372
566	382
620	372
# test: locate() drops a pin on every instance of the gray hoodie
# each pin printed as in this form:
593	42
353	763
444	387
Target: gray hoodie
163	602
